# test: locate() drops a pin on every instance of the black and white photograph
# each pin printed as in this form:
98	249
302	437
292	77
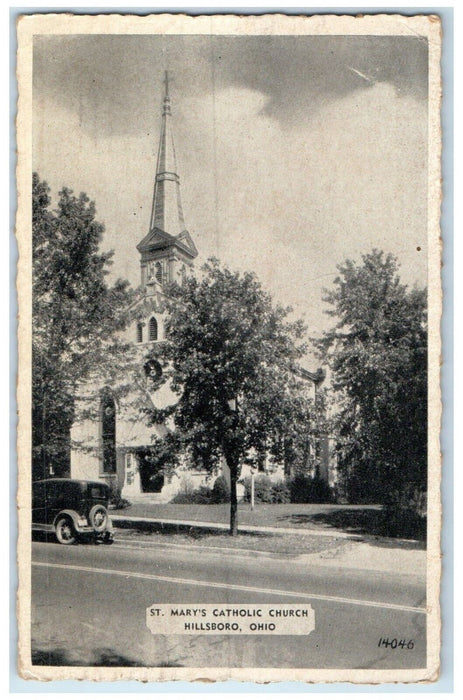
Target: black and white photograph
229	307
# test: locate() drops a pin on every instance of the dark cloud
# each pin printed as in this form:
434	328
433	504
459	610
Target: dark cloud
299	73
113	82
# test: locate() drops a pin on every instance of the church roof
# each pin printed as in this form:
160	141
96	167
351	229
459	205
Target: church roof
316	377
167	212
157	239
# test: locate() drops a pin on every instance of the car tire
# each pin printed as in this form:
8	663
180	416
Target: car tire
98	518
64	531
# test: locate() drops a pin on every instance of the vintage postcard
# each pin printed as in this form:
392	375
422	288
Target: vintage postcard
229	307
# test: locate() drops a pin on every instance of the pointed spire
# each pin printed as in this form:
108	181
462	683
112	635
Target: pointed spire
166	212
166	107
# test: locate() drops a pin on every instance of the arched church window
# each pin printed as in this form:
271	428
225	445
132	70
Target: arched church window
153	329
139	332
108	433
158	272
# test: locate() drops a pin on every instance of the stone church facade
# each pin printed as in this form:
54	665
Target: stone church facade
113	444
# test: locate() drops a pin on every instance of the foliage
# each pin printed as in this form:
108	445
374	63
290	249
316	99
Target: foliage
115	497
263	489
308	429
227	343
281	492
204	495
307	489
377	353
220	491
266	490
164	453
76	315
200	496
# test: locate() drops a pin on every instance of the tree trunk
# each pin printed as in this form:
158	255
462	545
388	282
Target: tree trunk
233	504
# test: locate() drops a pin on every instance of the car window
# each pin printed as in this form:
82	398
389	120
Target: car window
97	491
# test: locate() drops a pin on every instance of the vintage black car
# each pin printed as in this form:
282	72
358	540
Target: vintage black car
72	509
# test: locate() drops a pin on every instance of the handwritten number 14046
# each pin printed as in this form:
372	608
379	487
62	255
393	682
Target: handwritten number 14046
396	643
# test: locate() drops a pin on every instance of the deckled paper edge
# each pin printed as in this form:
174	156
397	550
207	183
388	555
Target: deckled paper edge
428	26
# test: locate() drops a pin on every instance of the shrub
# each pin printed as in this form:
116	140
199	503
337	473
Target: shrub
307	489
262	489
265	490
281	493
201	496
220	491
186	485
114	491
115	499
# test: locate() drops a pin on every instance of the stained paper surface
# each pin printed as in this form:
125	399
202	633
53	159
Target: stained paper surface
282	146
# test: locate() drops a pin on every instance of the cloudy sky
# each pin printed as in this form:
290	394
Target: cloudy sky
294	153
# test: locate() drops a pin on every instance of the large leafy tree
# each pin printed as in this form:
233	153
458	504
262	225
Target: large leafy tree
76	315
377	353
232	356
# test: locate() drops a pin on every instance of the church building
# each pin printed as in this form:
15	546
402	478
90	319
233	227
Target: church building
115	446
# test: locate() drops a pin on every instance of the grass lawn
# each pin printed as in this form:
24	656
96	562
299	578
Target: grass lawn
362	519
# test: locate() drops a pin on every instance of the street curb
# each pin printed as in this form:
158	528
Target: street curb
238	551
321	559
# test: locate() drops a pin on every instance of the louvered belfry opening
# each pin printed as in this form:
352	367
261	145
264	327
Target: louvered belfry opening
153	329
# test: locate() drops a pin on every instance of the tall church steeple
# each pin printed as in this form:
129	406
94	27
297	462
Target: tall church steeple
166	211
167	251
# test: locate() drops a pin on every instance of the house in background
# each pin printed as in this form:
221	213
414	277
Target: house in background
115	446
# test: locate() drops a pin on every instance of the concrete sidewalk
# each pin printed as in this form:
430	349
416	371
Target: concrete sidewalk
351	551
372	557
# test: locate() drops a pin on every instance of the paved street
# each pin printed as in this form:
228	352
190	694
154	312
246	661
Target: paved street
89	606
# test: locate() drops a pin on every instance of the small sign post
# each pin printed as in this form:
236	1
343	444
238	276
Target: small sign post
252	488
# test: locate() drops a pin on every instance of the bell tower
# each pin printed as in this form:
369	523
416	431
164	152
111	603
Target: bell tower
167	251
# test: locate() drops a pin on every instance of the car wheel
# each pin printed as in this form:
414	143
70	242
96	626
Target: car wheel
64	530
98	518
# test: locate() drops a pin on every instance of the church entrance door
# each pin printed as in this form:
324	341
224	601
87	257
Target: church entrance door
151	475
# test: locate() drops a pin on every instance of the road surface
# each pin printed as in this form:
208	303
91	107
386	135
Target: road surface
89	608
